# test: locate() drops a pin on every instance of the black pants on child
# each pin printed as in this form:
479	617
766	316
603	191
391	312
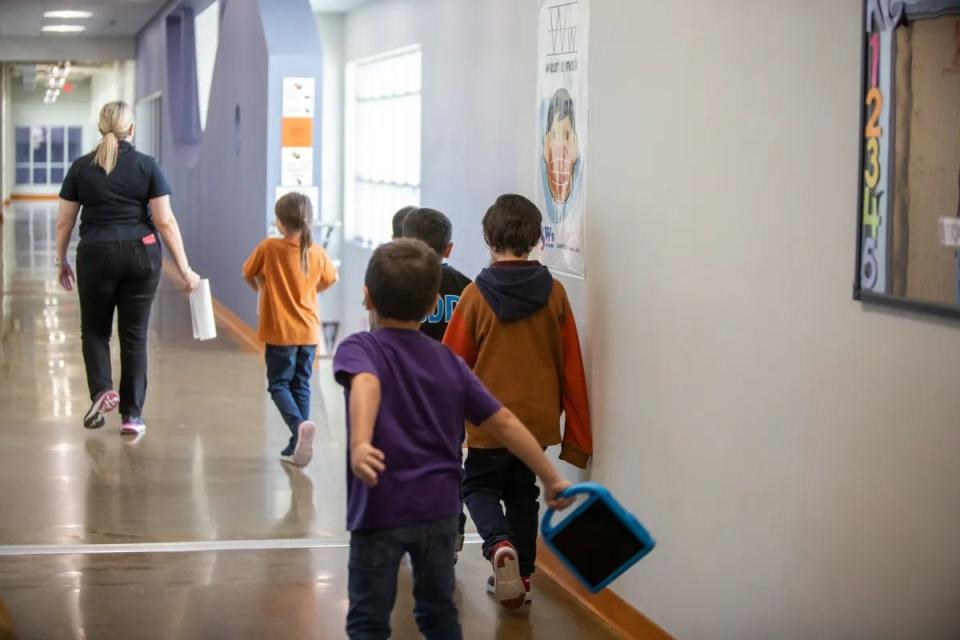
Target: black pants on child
497	481
375	556
122	276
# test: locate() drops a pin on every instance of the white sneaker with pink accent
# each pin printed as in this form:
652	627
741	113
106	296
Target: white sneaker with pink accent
103	404
133	427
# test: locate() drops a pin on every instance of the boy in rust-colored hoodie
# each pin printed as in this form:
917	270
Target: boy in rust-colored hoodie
515	328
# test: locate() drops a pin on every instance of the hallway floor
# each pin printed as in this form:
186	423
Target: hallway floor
209	535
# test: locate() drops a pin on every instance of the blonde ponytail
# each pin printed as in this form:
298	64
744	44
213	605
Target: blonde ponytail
116	118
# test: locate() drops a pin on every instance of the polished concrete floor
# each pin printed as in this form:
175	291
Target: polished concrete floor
205	475
295	594
208	466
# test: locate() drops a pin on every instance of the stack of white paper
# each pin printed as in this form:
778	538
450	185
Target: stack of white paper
201	311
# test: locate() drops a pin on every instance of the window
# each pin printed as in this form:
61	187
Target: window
382	142
206	36
148	133
43	154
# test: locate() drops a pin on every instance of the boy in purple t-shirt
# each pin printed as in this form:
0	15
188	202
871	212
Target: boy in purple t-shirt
407	399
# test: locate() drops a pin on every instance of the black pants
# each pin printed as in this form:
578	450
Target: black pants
495	476
122	276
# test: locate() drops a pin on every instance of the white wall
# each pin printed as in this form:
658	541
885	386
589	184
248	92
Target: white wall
70	109
331	28
111	83
478	72
794	452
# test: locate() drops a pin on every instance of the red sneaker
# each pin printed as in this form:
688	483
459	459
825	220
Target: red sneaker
508	587
526	587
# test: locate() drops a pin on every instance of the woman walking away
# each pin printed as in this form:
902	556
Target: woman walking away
288	273
125	202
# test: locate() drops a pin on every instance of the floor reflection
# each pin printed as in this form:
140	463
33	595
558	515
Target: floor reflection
208	467
278	594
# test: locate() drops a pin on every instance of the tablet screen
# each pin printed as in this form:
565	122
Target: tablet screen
597	542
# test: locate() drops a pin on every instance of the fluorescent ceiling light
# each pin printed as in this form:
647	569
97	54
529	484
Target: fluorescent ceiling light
68	15
63	28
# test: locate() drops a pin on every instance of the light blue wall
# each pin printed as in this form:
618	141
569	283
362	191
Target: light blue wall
224	198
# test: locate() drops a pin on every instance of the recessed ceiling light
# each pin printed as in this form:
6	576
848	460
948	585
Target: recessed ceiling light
68	15
64	28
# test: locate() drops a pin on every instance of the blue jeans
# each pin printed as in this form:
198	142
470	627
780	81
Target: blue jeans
375	556
495	482
288	377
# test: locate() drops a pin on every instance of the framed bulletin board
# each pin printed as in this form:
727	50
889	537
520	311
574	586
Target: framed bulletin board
908	231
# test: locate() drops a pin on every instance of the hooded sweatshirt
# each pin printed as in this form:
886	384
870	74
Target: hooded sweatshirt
515	328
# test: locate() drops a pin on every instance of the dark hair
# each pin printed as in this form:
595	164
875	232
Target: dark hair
295	212
403	278
431	226
512	224
561	106
398	219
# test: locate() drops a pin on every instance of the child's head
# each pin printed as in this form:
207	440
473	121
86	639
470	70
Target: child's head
511	226
432	227
402	281
294	214
398	219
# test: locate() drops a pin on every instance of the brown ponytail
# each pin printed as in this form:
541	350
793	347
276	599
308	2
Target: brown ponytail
296	213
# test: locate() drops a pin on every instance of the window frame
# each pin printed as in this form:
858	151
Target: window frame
362	225
47	165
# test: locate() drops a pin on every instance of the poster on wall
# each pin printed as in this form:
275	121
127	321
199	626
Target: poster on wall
875	216
299	97
909	214
296	143
561	136
296	166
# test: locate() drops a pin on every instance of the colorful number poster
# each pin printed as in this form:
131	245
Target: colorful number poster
561	174
875	217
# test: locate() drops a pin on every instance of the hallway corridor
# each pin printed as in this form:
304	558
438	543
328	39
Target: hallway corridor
195	529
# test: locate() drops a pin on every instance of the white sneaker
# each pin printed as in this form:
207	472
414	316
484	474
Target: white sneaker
133	427
105	403
508	588
303	453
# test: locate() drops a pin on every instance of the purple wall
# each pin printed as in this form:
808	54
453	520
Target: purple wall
223	194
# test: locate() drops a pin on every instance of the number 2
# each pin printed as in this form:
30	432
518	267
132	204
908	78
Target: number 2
875	98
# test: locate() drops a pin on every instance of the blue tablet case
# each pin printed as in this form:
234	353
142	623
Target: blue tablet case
599	540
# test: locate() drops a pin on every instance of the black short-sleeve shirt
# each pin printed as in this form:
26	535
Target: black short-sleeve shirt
114	207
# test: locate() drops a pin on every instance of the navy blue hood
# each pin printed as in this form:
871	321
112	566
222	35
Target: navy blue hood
515	290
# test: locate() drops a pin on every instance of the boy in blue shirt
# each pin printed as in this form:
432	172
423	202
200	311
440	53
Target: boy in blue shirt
407	399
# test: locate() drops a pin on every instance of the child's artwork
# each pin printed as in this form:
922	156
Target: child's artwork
909	246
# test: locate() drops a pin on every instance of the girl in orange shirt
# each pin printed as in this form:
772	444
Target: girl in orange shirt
288	273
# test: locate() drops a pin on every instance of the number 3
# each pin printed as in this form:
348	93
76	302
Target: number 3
871	172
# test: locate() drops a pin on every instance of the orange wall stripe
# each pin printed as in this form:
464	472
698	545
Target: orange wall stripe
607	606
226	319
35	196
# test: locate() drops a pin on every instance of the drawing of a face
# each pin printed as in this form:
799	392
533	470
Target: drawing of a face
560	148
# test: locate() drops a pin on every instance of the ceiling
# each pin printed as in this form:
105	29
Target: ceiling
120	18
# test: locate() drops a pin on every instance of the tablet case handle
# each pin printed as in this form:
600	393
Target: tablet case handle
591	489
